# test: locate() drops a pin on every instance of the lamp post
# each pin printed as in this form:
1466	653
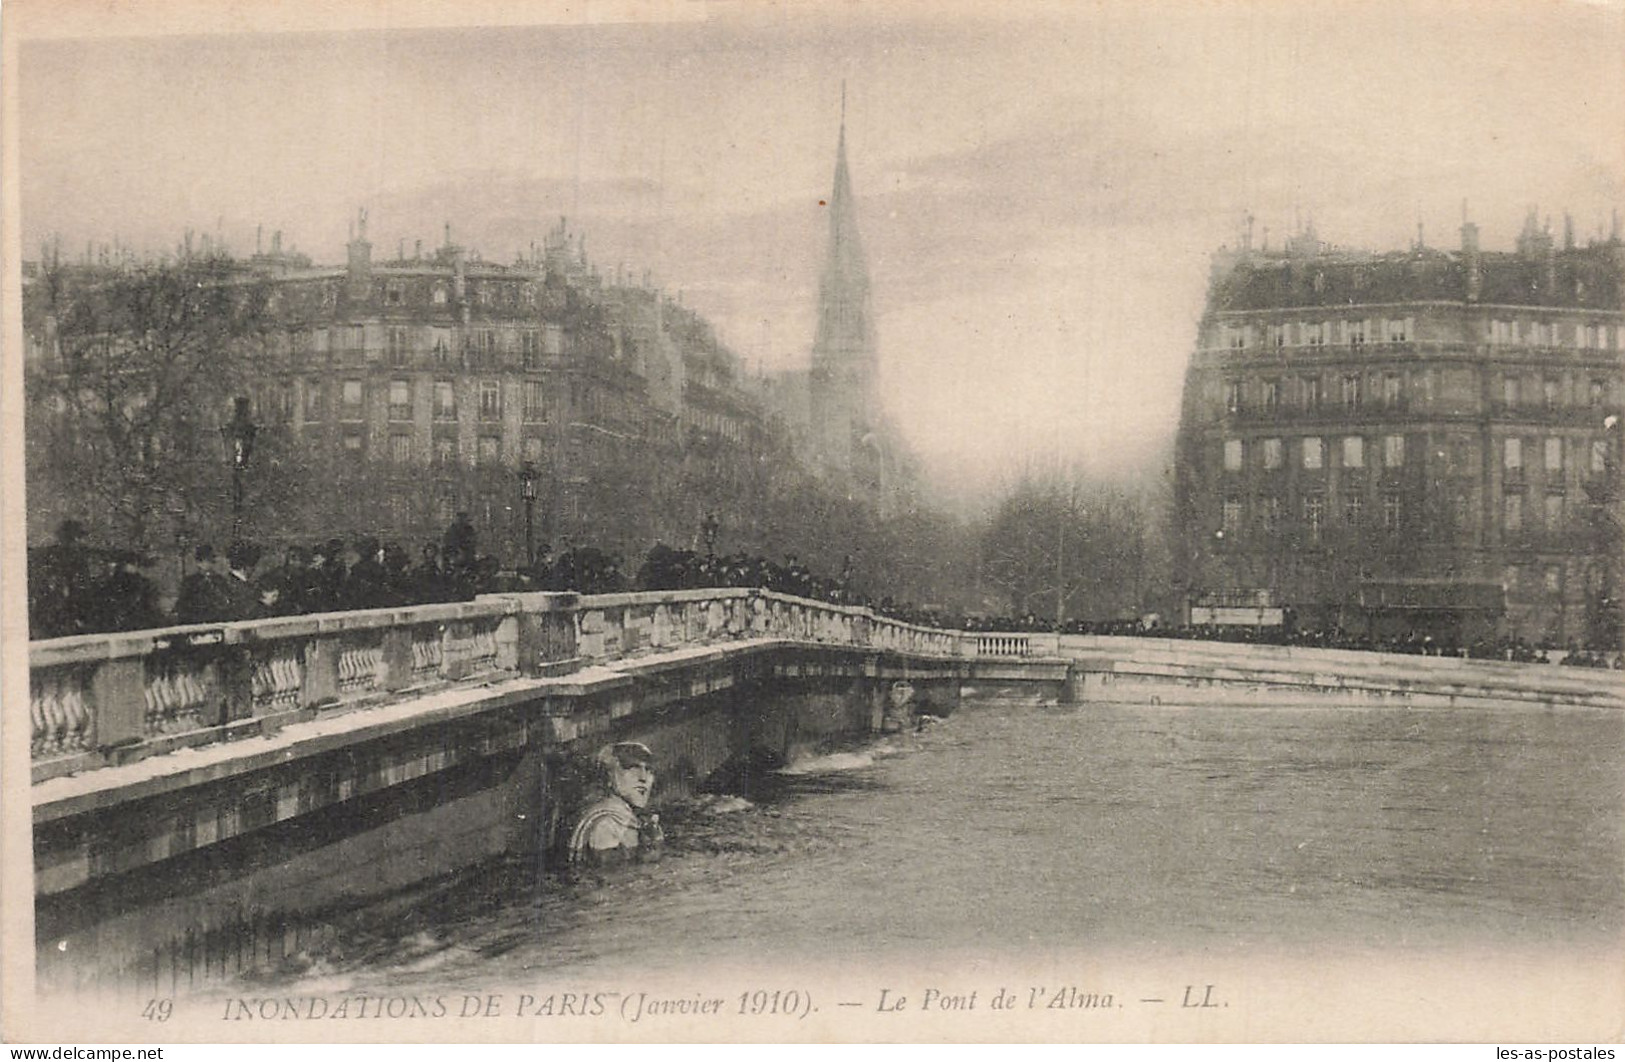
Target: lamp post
708	529
238	436
527	491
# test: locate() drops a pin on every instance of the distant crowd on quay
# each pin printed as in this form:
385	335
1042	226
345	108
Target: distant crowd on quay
77	588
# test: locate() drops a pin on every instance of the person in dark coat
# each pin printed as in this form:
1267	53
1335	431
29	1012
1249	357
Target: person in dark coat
61	582
459	551
204	597
128	599
244	600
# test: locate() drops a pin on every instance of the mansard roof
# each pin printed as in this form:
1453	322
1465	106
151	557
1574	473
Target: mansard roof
1585	278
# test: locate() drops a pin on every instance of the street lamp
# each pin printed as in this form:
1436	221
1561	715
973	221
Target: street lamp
238	436
708	529
527	491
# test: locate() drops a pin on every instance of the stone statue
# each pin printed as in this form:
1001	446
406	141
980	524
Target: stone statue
614	828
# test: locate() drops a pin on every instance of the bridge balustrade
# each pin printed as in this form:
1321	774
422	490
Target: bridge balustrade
97	700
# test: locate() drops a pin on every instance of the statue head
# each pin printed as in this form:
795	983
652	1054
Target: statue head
628	768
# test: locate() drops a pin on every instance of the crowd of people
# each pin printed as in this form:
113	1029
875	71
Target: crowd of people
76	588
1417	643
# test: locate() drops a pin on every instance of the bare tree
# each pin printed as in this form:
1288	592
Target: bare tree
133	371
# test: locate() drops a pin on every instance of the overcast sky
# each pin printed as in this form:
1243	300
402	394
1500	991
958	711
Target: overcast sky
1038	193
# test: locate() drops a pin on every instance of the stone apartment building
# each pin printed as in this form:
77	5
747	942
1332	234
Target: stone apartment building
1417	441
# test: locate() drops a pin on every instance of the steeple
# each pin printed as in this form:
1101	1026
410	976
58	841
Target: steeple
842	384
843	290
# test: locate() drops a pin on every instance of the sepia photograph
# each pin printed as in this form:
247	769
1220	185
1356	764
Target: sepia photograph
669	520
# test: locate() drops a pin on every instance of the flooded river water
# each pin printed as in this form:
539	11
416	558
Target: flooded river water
1013	830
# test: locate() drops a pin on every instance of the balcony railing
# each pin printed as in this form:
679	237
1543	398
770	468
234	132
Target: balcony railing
102	699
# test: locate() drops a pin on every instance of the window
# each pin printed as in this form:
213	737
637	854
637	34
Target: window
445	400
1509	392
1512	455
1314	456
1310	390
1314	334
285	401
1542	334
535	401
445	450
1599	390
490	400
532	450
1351	391
553	340
1238	336
1392	510
1392	390
1550	392
440	343
1356	333
1554	579
400	400
400	448
1501	332
1272	395
1353	451
1554	511
314	404
530	347
1461	510
1599	455
1353	509
1314	515
352	401
1393	451
1232	455
1513	512
1398	329
355	337
352	442
1554	454
393	293
1232	514
1272	453
1272	513
397	344
490	451
1509	577
1232	396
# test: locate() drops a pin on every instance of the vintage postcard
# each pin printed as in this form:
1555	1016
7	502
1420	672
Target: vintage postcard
813	522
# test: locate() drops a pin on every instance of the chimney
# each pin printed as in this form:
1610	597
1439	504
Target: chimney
276	242
1469	257
417	250
360	266
1568	231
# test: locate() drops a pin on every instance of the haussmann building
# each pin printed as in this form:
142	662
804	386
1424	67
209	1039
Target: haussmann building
1420	443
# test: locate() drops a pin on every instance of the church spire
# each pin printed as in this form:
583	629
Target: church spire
842	383
843	291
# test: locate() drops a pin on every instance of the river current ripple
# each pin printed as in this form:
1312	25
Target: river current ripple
1013	829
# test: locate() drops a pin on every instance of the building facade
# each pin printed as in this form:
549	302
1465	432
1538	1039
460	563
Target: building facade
390	395
1411	443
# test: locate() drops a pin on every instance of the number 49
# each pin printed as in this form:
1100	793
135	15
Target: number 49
158	1009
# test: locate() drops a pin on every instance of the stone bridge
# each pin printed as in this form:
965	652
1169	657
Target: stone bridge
204	796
